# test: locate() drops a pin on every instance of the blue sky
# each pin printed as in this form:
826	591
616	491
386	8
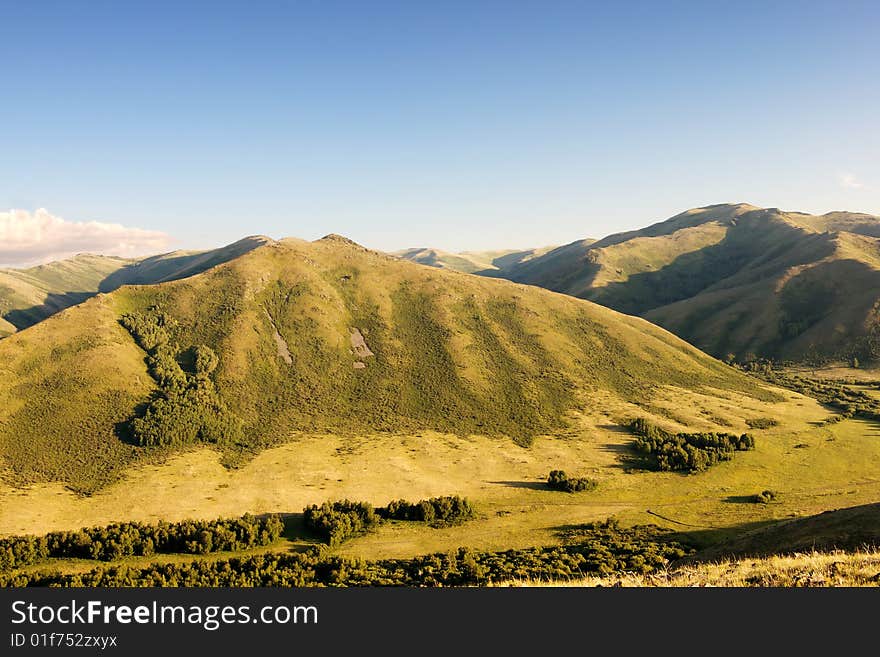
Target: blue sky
460	125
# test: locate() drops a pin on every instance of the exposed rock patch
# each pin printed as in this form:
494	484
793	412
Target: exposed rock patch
359	344
280	343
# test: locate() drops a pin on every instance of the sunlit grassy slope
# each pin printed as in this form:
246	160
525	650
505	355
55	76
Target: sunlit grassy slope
330	338
734	279
28	296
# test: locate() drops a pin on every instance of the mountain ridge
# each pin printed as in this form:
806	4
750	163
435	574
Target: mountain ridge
735	279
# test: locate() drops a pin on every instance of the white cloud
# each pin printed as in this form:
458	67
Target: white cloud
849	181
28	238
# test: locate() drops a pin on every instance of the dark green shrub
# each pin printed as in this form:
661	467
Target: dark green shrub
558	480
336	522
766	497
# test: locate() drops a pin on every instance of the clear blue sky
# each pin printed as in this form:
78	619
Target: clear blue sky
451	124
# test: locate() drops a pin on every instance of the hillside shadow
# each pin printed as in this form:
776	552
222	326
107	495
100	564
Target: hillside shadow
740	499
295	529
692	273
696	539
701	539
167	267
531	485
152	270
626	457
23	318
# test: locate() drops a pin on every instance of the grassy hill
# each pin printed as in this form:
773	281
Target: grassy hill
322	338
28	296
735	279
485	263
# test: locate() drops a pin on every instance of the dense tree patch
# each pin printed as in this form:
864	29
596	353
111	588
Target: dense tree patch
686	452
447	510
336	522
187	408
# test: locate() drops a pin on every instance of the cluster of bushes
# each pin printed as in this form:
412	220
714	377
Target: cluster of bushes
136	539
558	480
687	452
601	549
336	522
761	423
188	408
765	497
447	510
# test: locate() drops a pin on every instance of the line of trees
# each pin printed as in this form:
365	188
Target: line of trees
601	549
686	452
138	539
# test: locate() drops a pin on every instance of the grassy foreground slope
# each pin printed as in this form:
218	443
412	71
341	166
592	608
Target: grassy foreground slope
322	338
28	296
735	279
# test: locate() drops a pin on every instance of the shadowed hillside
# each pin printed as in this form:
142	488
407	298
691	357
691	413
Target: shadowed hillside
735	280
28	296
324	338
852	528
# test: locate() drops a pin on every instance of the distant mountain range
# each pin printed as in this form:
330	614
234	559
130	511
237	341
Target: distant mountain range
734	280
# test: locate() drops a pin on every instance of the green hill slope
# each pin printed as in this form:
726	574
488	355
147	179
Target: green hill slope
320	338
28	296
735	279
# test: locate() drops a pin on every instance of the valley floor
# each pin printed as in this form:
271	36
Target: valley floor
814	467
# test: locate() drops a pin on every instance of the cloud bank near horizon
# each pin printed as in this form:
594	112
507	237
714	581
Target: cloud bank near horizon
31	238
